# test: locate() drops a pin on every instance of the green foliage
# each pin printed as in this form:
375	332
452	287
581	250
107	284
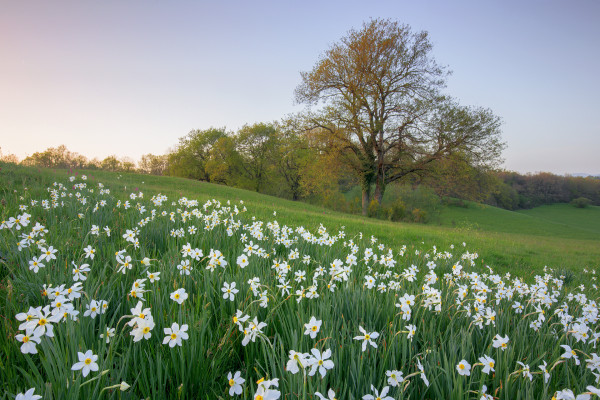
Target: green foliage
153	164
401	203
255	143
581	202
58	157
374	210
397	211
189	158
532	190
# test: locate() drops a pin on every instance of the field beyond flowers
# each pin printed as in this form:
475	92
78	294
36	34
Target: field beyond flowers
115	292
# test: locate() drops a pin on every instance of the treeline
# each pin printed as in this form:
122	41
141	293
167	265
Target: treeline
283	160
518	191
277	158
62	157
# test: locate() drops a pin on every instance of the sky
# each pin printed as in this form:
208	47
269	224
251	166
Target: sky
131	77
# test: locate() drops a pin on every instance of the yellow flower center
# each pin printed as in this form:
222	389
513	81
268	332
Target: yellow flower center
235	319
231	382
173	336
88	361
314	328
492	364
176	295
320	362
25	339
43	321
258	397
461	366
367	337
504	345
146	330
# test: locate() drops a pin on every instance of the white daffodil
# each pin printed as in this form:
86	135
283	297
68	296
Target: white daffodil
313	327
235	383
87	363
175	334
179	296
463	368
320	361
367	338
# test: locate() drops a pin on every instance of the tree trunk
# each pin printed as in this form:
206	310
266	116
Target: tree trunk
379	189
366	194
365	201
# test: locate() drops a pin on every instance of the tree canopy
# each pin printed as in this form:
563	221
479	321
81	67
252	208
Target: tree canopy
379	95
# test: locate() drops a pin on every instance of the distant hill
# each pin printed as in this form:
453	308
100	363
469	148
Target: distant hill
585	174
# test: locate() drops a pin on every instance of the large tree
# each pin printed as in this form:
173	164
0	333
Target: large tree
189	158
379	92
255	144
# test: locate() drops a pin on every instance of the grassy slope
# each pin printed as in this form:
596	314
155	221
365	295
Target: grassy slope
505	240
558	220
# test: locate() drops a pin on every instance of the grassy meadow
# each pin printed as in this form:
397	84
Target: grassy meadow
323	302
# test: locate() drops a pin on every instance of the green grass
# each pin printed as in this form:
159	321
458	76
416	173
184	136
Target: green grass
510	241
214	348
557	220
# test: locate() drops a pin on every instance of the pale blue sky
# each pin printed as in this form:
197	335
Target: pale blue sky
131	77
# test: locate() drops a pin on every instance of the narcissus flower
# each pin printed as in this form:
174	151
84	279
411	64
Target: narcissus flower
229	291
394	377
28	395
569	353
313	327
330	395
296	361
235	383
29	340
175	334
463	368
143	329
488	364
500	342
179	296
87	363
367	338
320	361
378	396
